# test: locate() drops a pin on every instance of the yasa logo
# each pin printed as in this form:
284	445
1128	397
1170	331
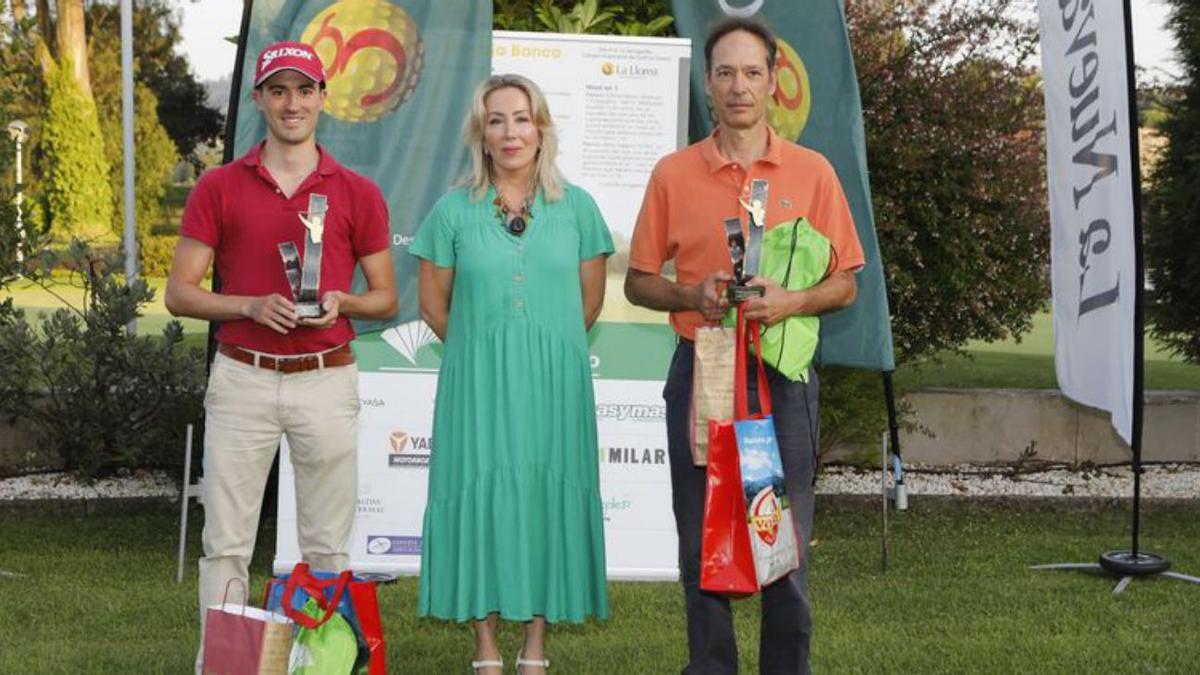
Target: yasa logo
765	515
788	109
407	450
372	53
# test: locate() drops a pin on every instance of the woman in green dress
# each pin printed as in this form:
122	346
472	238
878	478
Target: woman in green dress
511	279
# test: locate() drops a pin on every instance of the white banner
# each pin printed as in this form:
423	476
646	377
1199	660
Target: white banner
1091	203
619	104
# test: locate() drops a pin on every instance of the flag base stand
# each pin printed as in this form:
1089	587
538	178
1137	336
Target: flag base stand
1127	565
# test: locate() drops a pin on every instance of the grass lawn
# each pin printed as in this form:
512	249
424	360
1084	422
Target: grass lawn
1029	364
99	596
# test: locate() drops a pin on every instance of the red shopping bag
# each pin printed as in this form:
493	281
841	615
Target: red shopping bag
241	640
352	597
726	556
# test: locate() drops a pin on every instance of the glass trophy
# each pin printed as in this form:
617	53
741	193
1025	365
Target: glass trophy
746	252
304	275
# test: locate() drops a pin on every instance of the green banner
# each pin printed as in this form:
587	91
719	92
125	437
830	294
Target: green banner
400	78
816	104
412	348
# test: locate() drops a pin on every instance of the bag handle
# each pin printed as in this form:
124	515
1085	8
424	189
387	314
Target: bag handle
301	578
245	594
741	394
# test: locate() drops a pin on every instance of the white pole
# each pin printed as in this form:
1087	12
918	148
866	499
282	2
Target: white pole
18	131
185	494
131	252
20	224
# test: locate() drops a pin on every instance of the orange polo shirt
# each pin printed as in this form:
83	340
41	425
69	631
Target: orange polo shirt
692	191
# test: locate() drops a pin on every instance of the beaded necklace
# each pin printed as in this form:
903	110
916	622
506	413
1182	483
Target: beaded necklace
514	220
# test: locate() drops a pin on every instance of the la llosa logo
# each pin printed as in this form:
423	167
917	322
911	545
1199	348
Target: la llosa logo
373	55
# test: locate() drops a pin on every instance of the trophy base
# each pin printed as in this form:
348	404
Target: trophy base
740	294
309	310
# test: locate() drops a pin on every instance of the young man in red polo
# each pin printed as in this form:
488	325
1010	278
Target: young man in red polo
688	195
281	368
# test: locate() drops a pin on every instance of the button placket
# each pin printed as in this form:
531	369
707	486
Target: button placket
518	279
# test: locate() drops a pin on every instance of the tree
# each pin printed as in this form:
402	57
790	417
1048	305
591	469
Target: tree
631	17
182	101
22	89
155	153
953	116
1172	210
77	187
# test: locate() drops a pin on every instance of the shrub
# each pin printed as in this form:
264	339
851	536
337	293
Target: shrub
106	400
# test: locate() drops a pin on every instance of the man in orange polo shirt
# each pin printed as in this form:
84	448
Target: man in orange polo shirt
690	194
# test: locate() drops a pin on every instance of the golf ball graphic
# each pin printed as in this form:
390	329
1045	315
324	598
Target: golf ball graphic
788	109
372	54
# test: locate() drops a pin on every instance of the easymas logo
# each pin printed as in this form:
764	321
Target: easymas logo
631	412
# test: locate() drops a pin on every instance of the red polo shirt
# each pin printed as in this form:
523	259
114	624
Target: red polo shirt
239	211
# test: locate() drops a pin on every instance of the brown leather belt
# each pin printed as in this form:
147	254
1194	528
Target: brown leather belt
339	356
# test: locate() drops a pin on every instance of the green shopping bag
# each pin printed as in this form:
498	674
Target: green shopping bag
795	256
330	648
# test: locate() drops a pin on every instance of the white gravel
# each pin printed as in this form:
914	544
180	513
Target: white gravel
66	486
1174	481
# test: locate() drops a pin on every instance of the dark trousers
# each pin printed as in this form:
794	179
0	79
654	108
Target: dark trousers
786	626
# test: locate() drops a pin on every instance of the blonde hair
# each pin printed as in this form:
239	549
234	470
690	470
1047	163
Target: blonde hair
546	174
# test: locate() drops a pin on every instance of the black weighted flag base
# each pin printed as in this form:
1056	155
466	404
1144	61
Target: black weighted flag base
1128	566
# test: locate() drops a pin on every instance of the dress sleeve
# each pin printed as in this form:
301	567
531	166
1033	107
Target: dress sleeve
594	237
435	240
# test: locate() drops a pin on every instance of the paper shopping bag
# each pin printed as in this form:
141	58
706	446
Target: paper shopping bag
712	384
241	640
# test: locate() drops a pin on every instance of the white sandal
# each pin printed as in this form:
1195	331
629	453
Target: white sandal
487	663
533	663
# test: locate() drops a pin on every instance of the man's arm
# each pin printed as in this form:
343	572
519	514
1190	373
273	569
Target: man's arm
653	291
185	297
376	303
836	291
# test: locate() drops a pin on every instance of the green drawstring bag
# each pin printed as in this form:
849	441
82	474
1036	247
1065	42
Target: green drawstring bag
329	649
797	257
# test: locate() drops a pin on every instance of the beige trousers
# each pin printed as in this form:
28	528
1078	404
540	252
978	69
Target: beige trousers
247	410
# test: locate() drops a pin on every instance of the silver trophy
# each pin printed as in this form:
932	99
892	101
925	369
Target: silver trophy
304	277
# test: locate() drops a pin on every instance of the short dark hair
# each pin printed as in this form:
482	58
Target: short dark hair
730	24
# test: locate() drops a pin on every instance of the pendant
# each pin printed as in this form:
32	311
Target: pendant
516	226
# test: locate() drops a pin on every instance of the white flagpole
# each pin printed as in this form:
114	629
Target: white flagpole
131	251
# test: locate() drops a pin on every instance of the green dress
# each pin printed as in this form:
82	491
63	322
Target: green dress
513	522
